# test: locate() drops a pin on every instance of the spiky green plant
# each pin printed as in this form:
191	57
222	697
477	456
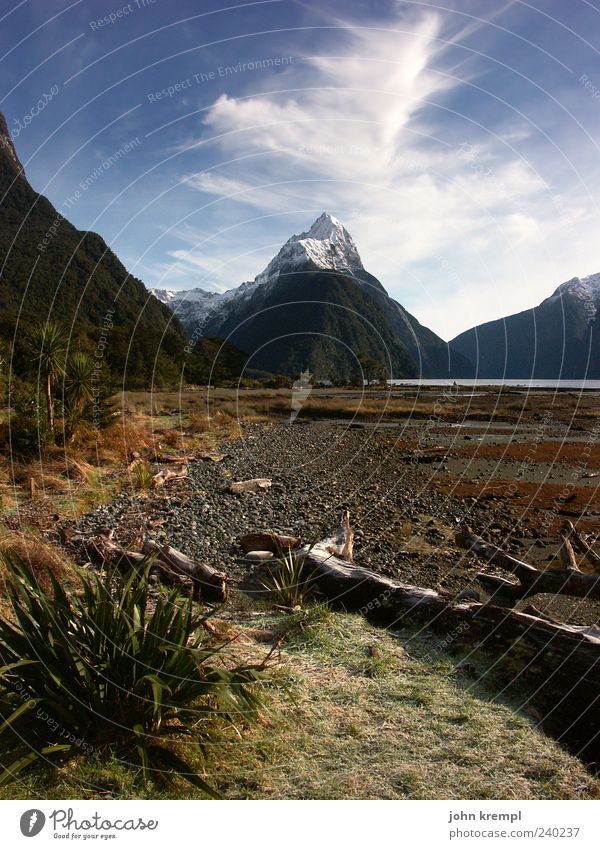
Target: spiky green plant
48	344
291	580
141	476
79	380
104	668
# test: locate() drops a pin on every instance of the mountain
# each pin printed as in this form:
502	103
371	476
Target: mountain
559	339
315	307
49	270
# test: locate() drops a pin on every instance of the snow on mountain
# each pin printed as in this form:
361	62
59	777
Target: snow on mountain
327	245
163	295
585	290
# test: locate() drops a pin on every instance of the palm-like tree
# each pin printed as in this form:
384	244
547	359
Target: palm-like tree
79	391
48	343
79	380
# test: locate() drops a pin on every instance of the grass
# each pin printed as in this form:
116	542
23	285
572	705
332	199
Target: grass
93	468
374	717
141	476
118	667
358	713
262	404
40	556
290	581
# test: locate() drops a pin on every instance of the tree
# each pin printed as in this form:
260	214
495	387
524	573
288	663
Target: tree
372	369
48	343
80	388
79	381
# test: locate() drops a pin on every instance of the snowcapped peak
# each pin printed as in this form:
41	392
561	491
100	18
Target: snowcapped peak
327	244
163	295
585	290
327	227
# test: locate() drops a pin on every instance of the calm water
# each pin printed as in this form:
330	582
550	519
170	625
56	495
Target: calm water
522	384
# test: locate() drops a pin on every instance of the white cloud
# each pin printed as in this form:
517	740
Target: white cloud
362	132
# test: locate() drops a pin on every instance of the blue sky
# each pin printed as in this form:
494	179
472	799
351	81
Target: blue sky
458	141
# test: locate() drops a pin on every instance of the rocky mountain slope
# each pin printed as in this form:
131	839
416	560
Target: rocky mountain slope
316	307
559	339
49	270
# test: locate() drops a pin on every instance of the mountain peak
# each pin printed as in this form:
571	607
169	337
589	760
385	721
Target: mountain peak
576	285
326	227
584	291
7	147
327	245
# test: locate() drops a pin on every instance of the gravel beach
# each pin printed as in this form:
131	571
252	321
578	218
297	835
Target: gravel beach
404	513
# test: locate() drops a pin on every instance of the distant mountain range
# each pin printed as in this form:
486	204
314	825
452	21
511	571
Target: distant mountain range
559	339
315	307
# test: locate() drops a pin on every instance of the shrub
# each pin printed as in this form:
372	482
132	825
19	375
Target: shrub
103	667
141	476
291	581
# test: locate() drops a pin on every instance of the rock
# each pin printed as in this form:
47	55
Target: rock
252	485
258	556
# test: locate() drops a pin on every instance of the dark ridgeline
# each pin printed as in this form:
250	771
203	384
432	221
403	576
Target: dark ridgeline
557	340
49	270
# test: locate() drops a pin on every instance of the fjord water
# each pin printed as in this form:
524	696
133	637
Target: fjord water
519	384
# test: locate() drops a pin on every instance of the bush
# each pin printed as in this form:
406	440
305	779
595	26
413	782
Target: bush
104	668
141	476
26	436
291	581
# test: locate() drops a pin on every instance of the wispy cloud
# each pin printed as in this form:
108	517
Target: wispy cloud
365	131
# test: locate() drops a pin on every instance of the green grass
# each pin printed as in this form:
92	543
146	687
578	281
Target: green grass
358	713
114	667
374	717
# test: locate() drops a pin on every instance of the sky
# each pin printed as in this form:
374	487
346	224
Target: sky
457	141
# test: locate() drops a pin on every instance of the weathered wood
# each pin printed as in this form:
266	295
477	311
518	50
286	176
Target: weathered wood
161	478
341	543
530	580
212	584
268	541
559	664
175	458
215	456
567	555
253	485
103	550
582	547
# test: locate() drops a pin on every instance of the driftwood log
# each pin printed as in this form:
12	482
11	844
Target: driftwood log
582	547
211	583
557	666
165	475
253	485
268	541
103	550
169	565
566	581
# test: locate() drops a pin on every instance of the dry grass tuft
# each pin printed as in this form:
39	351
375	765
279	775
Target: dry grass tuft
41	556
